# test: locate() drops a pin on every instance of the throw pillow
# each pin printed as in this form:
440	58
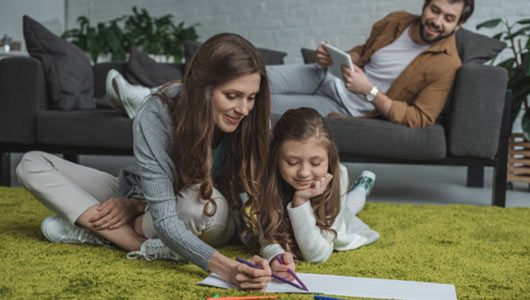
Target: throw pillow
67	69
143	70
309	55
271	57
190	47
476	48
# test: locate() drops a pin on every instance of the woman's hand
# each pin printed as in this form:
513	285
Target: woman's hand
281	269
116	212
318	187
249	278
241	275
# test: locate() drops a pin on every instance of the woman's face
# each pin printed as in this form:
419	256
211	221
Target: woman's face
301	163
233	100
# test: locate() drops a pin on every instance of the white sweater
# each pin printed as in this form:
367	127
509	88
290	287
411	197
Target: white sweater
315	244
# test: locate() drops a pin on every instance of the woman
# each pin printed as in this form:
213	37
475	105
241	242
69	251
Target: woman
211	130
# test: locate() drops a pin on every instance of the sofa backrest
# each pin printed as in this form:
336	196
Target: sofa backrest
271	57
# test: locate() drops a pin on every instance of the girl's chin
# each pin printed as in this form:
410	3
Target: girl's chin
301	187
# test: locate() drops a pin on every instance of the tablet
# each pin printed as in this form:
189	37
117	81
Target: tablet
339	58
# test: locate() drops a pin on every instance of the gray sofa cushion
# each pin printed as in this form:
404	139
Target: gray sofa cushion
99	128
308	55
476	48
143	70
67	69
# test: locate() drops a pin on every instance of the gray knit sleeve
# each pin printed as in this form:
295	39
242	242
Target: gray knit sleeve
152	129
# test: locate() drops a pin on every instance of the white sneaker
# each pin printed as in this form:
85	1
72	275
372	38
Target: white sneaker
57	229
131	96
153	249
112	95
366	181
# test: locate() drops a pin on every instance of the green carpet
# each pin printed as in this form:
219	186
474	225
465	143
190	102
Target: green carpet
483	251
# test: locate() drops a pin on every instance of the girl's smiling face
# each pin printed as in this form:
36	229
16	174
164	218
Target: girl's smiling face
303	162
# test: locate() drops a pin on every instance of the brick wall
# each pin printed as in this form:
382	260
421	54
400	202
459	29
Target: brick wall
285	25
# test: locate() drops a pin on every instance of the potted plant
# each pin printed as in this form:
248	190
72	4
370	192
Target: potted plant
152	35
158	35
518	66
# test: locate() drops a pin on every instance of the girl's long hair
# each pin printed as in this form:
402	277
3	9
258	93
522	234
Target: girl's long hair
297	125
221	58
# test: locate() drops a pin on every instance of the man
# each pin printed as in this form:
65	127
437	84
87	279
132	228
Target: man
403	72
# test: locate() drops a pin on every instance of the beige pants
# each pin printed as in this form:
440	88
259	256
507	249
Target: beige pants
69	189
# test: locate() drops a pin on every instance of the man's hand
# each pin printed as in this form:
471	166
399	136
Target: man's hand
318	187
116	212
322	57
356	81
281	269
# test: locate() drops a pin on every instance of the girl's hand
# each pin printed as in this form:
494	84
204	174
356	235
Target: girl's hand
248	278
317	188
281	269
116	212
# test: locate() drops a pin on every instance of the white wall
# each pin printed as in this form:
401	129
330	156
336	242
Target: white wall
285	25
50	13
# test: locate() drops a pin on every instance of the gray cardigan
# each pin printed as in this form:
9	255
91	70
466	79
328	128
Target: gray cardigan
152	177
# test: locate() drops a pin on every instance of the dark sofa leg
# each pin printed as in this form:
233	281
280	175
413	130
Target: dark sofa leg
501	166
5	168
475	176
499	184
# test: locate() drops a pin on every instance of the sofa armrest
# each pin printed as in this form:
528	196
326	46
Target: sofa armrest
474	123
23	95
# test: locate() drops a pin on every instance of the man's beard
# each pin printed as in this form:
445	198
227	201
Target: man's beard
439	38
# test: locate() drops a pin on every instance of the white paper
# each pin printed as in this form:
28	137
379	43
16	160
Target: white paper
354	287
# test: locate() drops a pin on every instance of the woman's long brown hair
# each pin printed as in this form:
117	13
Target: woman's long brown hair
221	58
298	125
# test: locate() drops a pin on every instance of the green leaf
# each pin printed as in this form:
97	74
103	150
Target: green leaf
489	24
524	21
498	36
521	31
526	63
521	91
520	86
507	64
525	124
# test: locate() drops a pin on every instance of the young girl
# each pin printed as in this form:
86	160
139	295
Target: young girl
305	211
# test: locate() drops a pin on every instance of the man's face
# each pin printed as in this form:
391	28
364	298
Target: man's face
439	20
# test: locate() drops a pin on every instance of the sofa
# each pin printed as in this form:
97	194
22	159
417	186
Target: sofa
28	120
473	131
